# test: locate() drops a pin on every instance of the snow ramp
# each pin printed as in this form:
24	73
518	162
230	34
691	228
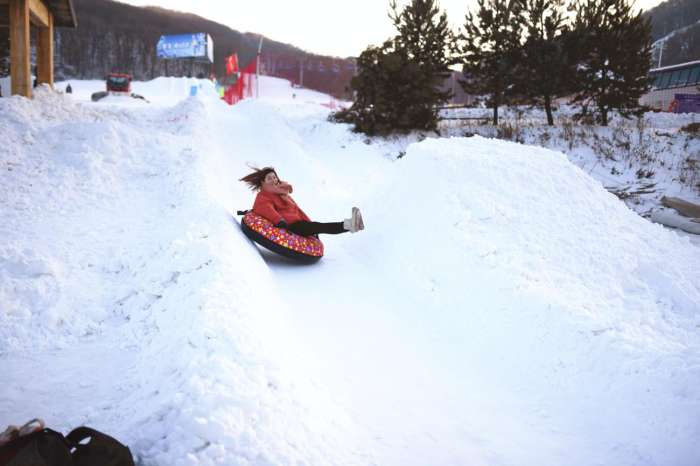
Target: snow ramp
500	309
130	300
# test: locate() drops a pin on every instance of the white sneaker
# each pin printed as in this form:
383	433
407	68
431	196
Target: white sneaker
357	219
347	224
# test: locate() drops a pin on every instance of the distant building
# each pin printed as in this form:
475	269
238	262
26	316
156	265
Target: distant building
668	81
459	96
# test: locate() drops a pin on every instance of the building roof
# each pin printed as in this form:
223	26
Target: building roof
63	12
677	76
674	67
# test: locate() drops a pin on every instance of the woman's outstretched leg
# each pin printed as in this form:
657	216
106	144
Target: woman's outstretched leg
352	224
314	228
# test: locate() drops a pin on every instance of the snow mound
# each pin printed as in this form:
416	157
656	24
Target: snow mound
545	285
281	90
530	213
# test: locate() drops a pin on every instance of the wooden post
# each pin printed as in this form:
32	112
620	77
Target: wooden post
19	48
44	54
38	13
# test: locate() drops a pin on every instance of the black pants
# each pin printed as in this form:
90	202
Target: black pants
314	228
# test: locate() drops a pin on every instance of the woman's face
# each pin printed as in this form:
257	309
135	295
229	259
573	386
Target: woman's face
270	181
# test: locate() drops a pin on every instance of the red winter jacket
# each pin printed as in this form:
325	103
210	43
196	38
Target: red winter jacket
276	207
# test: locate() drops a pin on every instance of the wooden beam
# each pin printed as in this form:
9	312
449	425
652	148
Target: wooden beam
44	54
685	208
19	48
40	14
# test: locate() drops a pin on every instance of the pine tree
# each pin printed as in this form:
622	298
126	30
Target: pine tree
544	69
384	81
491	39
398	84
616	56
426	40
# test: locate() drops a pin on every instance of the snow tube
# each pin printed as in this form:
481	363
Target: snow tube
304	249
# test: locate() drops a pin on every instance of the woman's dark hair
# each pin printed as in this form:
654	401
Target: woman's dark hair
255	179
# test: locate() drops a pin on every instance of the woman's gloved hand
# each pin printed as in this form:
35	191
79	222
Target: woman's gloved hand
281	224
286	187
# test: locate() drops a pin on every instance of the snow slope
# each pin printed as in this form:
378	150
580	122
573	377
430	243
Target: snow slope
500	309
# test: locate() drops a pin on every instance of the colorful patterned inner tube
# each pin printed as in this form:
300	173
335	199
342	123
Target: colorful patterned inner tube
306	249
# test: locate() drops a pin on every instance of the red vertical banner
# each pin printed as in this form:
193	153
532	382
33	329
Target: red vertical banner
231	64
245	84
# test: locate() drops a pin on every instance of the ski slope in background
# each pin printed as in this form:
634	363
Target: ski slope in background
501	308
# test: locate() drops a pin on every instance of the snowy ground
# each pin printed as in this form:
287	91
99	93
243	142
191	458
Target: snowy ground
501	308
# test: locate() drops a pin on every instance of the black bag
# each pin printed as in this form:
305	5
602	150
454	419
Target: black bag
100	450
50	448
43	448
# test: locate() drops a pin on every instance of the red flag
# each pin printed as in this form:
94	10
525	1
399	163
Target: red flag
231	64
244	85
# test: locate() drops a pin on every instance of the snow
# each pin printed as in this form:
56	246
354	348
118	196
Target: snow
164	91
5	86
158	92
501	308
642	159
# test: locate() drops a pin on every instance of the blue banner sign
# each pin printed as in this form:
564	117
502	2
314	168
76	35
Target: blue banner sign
199	45
688	103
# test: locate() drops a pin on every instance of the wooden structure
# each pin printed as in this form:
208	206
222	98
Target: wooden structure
19	16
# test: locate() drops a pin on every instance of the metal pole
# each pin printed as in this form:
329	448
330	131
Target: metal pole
301	73
257	70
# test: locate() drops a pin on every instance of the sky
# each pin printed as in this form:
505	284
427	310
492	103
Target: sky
326	27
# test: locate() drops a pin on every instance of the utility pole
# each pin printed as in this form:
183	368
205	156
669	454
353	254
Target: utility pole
257	70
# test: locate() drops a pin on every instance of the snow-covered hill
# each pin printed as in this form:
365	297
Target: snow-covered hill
642	159
501	308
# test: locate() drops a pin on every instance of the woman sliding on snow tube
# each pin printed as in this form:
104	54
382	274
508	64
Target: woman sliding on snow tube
290	230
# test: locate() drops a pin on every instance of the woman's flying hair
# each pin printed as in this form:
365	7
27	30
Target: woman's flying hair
255	179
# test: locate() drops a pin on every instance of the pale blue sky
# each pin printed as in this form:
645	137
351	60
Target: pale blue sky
329	27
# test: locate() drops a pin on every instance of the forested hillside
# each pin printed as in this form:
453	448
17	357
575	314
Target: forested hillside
128	37
113	36
672	15
681	20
